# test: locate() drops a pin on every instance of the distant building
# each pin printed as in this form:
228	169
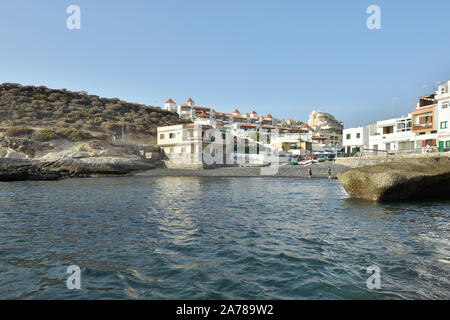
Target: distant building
357	139
324	124
425	122
293	136
393	135
184	144
425	129
443	110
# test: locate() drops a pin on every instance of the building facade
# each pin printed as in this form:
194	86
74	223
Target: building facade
325	124
443	110
393	135
425	122
357	139
185	145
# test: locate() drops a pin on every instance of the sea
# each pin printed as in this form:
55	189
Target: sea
143	237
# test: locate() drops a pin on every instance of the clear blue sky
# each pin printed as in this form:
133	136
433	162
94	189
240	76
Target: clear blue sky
282	57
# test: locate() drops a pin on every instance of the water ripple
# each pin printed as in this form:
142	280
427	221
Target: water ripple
217	238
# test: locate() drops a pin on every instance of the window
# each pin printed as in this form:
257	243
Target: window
348	136
447	144
442	90
358	135
444	125
171	135
161	136
388	130
445	104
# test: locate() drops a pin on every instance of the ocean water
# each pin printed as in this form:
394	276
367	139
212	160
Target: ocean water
217	238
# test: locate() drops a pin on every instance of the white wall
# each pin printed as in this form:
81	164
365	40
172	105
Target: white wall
392	140
444	113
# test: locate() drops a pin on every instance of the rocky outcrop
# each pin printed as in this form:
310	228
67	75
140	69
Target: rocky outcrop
61	159
21	169
419	178
24	169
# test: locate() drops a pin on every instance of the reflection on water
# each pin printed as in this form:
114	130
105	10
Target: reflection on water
216	238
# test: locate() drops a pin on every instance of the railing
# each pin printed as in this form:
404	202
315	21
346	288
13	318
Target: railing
376	150
422	126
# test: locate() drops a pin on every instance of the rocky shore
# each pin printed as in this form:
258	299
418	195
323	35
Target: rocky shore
414	178
24	169
22	159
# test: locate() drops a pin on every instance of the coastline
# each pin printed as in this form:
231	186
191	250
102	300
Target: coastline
319	170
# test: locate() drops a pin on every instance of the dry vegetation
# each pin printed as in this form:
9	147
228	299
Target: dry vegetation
46	114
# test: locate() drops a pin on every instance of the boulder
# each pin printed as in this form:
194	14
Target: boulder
414	178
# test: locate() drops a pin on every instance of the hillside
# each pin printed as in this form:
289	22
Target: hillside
45	114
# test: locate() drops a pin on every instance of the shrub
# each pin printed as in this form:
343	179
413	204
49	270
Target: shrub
75	135
18	131
47	135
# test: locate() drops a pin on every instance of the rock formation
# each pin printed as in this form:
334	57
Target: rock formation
415	178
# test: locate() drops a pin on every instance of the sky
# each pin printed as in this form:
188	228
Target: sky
286	58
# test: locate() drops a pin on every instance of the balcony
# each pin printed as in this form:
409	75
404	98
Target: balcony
422	126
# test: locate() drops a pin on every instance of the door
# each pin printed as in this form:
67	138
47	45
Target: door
441	146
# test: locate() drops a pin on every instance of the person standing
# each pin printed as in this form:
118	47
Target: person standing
329	172
309	173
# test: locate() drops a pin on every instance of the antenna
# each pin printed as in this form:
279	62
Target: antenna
393	100
436	83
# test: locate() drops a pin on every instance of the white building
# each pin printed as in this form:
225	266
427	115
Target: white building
184	145
443	111
357	139
393	135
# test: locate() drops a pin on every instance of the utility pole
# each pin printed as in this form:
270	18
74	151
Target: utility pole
393	101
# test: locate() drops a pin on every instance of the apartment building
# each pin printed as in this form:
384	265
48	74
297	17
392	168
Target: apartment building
357	139
292	135
393	135
425	122
443	110
324	124
184	145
